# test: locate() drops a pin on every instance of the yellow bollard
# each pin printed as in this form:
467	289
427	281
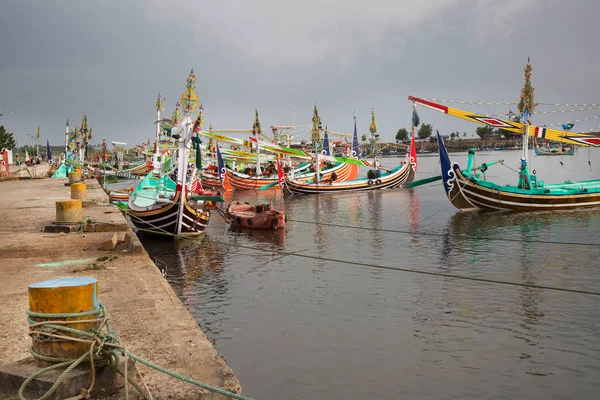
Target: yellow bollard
74	177
78	191
58	296
69	212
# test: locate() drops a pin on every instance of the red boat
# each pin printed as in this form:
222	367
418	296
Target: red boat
261	216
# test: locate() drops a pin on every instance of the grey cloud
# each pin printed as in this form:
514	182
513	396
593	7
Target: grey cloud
110	59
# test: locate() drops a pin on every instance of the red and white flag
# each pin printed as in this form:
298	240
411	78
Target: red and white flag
254	139
412	155
196	186
280	176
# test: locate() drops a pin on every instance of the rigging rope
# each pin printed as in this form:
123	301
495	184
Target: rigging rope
421	272
105	348
483	103
415	271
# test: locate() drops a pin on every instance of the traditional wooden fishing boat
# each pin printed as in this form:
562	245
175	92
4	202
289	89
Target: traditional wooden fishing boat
259	177
172	214
467	190
158	208
119	196
380	179
261	216
553	151
342	171
395	178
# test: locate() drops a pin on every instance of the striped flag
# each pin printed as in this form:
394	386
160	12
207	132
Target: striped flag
539	132
280	176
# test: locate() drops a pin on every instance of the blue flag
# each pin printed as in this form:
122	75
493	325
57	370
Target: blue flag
355	148
568	126
326	149
48	152
220	165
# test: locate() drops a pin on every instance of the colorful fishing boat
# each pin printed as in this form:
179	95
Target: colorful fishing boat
342	172
466	189
553	151
261	176
162	209
261	216
379	179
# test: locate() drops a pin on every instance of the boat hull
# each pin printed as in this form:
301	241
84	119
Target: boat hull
465	194
162	218
545	152
468	193
239	181
118	197
243	215
400	176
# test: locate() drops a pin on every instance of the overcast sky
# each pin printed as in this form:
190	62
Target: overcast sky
59	59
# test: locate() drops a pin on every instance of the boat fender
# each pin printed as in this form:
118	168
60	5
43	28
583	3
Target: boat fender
370	182
378	182
238	221
249	221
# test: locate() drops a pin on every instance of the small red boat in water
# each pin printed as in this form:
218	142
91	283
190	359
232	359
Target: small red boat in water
261	216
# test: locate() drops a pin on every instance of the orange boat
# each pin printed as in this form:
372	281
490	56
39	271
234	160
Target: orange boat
261	216
343	172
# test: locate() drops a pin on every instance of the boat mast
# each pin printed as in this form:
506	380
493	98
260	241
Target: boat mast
316	139
189	102
159	107
67	140
83	130
374	135
256	131
526	107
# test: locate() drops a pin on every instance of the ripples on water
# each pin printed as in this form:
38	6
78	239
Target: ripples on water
294	327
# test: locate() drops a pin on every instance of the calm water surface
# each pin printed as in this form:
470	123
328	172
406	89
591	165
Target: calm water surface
295	328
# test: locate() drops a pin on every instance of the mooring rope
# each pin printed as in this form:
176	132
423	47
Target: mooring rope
105	349
400	269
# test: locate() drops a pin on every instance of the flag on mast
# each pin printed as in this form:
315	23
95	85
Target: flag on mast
222	171
48	152
280	176
412	158
326	149
355	149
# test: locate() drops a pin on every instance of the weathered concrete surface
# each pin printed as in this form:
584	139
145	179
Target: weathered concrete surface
35	171
145	312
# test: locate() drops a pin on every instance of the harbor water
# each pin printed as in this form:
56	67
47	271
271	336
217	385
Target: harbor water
335	306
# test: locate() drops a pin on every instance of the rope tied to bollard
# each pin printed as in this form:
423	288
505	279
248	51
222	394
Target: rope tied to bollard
105	349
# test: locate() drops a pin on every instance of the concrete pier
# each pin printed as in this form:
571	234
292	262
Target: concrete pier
145	312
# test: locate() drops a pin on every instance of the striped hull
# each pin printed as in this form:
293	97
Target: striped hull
344	171
114	197
162	218
210	179
465	195
400	176
544	152
141	169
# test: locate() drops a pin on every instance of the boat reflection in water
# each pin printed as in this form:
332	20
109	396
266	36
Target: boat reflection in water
271	236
